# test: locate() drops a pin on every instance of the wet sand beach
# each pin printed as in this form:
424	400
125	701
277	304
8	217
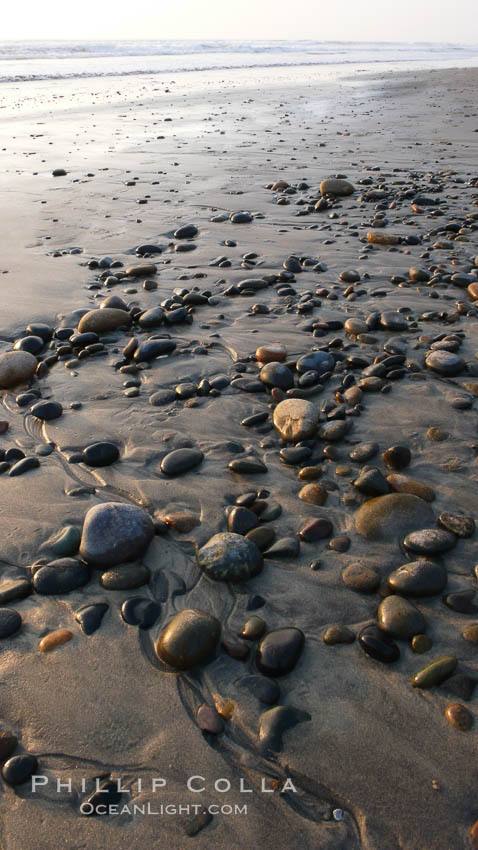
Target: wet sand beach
238	457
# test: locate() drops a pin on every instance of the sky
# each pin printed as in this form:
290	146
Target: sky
344	20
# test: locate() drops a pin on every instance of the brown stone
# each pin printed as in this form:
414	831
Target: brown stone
102	321
405	484
16	367
470	633
209	720
382	238
273	352
361	578
459	716
54	639
315	494
181	521
309	473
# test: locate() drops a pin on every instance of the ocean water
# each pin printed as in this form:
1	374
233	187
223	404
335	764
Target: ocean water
55	60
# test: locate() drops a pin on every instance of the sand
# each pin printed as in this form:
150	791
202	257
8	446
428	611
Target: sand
375	748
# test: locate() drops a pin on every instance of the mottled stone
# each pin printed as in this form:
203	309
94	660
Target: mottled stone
314	494
190	638
429	541
391	515
230	557
296	419
445	363
114	532
462	526
361	578
459	716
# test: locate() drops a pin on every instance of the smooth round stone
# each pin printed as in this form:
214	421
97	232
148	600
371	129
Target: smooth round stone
162	397
391	515
337	634
334	431
435	672
185	390
463	601
151	318
241	217
180	461
114	532
272	352
60	576
378	644
33	344
459	716
240	520
429	541
247	465
16	367
371	482
152	348
10	622
100	454
47	410
143	270
421	643
140	611
399	618
317	361
462	526
336	186
90	616
285	547
296	419
186	231
293	455
363	452
230	557
445	363
361	578
356	326
397	457
309	473
13	589
277	375
24	465
473	290
418	578
470	633
65	542
393	321
314	494
263	537
54	639
102	321
265	690
189	639
315	529
209	720
405	484
125	577
18	769
279	651
253	628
